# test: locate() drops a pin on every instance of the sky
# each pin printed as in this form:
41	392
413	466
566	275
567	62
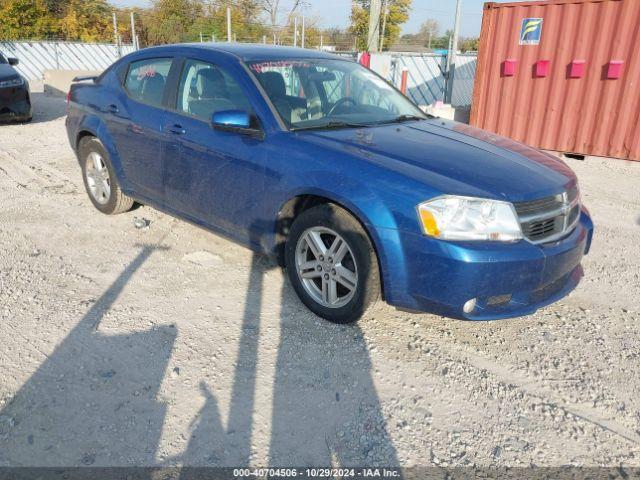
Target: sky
335	13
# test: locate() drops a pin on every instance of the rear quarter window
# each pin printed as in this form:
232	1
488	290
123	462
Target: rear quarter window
146	80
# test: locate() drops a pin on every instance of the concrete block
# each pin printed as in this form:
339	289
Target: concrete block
58	82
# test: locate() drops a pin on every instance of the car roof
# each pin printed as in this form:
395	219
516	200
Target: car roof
251	51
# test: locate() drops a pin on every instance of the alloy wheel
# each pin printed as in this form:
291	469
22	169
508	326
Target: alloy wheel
98	178
326	267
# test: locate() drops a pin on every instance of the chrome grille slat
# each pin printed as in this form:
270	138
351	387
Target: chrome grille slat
549	218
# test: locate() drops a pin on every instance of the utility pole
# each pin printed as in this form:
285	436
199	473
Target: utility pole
116	36
384	23
133	32
302	31
201	38
374	26
451	58
321	42
295	31
229	24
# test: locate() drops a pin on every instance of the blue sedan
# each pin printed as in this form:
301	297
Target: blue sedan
320	162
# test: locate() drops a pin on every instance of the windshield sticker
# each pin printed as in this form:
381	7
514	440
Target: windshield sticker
266	66
150	71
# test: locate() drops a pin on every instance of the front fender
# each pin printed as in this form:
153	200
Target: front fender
373	212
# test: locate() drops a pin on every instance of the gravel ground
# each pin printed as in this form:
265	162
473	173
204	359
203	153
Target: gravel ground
169	345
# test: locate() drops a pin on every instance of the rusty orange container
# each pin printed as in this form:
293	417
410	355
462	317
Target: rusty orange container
561	75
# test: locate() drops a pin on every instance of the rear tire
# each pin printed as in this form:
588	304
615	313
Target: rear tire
331	264
100	179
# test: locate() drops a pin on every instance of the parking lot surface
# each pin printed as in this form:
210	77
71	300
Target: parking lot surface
169	345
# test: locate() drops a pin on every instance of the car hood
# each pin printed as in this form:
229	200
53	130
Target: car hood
7	72
456	158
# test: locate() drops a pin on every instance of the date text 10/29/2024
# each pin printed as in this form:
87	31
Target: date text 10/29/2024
316	473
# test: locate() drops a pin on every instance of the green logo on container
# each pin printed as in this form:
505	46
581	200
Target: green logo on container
531	31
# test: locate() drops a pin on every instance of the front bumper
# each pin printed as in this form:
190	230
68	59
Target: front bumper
506	280
15	103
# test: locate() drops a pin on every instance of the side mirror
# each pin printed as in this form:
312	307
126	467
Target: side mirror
237	121
13	61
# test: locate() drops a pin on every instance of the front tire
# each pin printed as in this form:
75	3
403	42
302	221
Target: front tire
100	180
331	264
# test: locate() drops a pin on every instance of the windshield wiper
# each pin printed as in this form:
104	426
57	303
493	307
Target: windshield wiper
403	118
332	126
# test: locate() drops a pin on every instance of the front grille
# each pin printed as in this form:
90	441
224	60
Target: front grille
549	218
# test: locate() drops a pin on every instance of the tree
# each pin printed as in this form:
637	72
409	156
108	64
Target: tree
169	20
398	14
274	8
429	30
468	44
26	19
86	20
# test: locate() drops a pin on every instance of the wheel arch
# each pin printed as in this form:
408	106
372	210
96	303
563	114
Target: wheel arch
94	127
304	201
84	133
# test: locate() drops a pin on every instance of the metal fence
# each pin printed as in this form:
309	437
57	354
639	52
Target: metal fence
426	79
36	57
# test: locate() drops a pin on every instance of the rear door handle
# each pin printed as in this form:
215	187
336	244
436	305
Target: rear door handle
177	129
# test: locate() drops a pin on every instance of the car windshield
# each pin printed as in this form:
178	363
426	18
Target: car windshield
327	93
3	59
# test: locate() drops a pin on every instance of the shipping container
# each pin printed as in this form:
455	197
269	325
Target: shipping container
561	75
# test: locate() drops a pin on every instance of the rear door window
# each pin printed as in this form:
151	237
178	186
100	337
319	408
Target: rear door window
205	89
147	79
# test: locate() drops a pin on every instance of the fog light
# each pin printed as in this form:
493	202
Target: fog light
469	306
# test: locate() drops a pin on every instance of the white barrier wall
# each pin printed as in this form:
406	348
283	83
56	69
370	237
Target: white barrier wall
425	78
36	57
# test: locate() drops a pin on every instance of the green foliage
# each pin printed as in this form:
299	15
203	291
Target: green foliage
86	20
468	44
398	14
169	21
428	36
25	19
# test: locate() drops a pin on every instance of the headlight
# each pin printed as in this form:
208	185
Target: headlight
14	82
465	218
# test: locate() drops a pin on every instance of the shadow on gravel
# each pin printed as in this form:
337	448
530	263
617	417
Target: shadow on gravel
47	108
325	410
94	400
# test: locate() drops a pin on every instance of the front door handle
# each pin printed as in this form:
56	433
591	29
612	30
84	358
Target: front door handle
177	129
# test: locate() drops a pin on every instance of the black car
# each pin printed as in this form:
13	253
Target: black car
15	98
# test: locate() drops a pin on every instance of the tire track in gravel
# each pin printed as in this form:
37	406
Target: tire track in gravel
512	377
34	175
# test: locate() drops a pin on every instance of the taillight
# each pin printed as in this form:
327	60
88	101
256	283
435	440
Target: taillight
68	97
